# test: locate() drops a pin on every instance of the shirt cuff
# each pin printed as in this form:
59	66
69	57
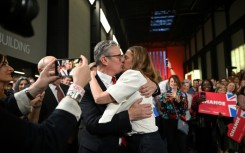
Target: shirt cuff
23	102
70	105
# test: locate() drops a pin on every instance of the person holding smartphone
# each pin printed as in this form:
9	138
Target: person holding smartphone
173	105
204	122
50	136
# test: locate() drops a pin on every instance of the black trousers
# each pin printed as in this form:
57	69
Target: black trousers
145	143
176	140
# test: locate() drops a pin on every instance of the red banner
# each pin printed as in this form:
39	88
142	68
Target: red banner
236	130
218	103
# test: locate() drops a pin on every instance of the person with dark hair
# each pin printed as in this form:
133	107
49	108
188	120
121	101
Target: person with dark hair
174	105
5	75
51	135
31	79
204	139
194	88
21	83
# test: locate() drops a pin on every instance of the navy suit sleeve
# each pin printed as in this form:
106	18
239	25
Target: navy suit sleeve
50	136
92	112
10	105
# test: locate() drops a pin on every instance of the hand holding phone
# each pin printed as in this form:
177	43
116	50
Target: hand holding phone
202	97
169	92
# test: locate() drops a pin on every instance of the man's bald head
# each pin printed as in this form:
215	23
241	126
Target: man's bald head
44	62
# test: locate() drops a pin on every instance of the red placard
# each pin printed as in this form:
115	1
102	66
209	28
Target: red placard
236	130
218	103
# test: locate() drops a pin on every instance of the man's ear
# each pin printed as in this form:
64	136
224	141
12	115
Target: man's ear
40	70
104	60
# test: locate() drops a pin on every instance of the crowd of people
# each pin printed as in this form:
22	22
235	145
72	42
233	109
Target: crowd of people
117	104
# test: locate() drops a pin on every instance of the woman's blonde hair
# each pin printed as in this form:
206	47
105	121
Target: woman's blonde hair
142	62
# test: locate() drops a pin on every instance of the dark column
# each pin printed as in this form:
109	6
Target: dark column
213	52
227	43
204	65
95	27
57	28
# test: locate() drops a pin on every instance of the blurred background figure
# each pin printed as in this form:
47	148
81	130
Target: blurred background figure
67	80
32	80
21	84
194	88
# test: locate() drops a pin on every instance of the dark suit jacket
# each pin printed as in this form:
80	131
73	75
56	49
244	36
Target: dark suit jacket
101	138
25	137
50	103
48	106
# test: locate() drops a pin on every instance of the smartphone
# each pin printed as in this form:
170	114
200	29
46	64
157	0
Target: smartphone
169	90
166	62
203	95
64	67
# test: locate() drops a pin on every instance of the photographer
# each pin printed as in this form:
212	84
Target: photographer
52	134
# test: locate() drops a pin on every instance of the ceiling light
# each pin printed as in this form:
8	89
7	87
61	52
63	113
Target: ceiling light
114	38
91	2
19	72
104	21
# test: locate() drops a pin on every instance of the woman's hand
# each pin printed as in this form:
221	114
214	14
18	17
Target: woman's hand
92	74
148	89
37	102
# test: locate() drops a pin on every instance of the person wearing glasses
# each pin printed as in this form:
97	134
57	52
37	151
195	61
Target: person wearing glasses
138	67
107	137
51	135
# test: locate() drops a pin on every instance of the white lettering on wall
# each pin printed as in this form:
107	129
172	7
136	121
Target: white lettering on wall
14	43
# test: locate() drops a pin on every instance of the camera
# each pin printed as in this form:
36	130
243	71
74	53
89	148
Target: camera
64	67
16	16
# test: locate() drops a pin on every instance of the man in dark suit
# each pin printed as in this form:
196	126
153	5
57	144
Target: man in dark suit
51	101
51	135
106	137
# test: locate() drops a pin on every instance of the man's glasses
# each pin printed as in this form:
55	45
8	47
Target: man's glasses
119	56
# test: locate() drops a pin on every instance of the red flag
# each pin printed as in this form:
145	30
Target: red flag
236	130
219	103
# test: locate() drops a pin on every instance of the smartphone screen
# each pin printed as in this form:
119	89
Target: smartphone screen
64	67
169	90
203	95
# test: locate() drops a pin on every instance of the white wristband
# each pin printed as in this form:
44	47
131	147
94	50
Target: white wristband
75	92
